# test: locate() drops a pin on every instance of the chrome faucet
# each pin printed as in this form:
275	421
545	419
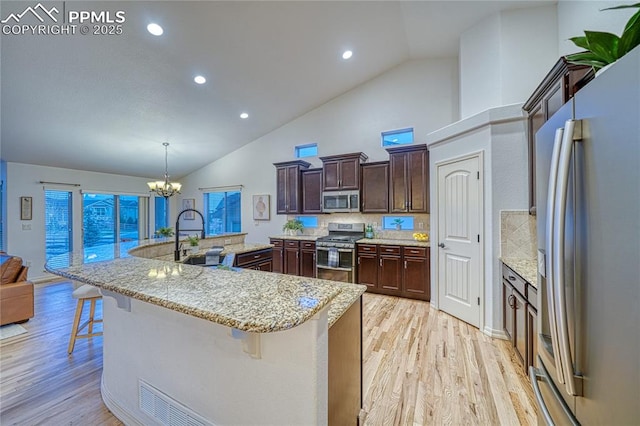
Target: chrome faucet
176	253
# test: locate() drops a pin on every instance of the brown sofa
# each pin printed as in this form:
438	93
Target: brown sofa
16	293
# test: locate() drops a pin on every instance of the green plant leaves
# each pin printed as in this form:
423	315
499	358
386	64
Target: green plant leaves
586	58
604	45
631	36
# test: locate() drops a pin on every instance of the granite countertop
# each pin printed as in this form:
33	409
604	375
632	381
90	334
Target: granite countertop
526	268
391	242
254	301
297	237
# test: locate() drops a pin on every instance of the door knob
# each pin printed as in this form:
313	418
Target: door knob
441	245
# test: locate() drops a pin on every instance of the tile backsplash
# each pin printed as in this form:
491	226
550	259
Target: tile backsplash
518	235
420	221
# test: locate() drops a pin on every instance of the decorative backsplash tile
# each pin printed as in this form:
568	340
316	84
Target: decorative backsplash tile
517	235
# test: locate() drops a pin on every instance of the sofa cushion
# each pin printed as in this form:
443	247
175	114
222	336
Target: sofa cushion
11	269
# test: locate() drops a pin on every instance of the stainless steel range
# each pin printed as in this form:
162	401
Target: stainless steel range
336	253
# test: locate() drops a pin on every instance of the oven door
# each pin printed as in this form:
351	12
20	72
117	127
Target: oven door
335	264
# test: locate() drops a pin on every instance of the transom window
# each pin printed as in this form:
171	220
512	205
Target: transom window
308	150
400	223
308	221
397	137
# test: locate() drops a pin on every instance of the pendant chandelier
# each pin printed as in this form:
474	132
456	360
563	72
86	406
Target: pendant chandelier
165	188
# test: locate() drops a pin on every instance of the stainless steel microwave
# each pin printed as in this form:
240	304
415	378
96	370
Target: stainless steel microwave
340	201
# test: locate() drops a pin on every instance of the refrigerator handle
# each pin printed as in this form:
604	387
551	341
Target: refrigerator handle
562	319
549	248
540	374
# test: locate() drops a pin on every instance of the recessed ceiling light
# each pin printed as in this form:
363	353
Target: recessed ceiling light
347	54
244	115
200	79
155	29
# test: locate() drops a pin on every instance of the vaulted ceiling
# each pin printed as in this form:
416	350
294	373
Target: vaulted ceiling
107	102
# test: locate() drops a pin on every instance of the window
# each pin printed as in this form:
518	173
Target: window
308	221
162	213
58	230
222	212
397	137
403	223
308	150
2	214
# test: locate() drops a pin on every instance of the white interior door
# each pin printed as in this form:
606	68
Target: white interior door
459	249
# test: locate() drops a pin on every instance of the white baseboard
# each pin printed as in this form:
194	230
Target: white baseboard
116	409
495	333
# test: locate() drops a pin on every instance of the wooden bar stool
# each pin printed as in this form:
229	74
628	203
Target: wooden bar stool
84	293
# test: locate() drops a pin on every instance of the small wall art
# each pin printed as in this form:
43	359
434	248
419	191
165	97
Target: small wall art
189	203
261	209
26	210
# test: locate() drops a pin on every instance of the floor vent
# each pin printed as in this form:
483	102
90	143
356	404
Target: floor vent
165	410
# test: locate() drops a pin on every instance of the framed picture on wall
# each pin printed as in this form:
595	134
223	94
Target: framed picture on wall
189	203
261	210
25	208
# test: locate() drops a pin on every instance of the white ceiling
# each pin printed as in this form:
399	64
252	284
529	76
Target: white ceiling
107	103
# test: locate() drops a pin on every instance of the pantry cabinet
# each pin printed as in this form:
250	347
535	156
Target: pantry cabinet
409	179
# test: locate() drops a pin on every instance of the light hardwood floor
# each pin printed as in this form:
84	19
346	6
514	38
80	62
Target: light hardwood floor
420	368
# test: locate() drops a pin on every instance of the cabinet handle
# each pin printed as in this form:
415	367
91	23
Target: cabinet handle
380	261
405	264
297	254
512	278
510	301
256	256
358	261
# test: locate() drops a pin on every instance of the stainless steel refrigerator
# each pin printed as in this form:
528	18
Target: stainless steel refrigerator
588	227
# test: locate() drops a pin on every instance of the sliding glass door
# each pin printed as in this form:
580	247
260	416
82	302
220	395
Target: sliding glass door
58	226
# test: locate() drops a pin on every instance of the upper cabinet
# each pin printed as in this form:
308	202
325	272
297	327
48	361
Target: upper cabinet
409	179
375	187
557	88
311	191
342	172
288	186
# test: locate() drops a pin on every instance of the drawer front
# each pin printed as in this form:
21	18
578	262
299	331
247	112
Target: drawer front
291	244
415	251
308	245
253	256
514	279
532	296
277	243
390	250
367	248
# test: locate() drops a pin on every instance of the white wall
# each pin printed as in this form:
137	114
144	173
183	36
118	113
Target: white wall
500	134
576	16
418	94
23	180
504	57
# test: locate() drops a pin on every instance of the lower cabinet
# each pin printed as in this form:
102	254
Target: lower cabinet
260	260
519	315
395	270
294	257
278	255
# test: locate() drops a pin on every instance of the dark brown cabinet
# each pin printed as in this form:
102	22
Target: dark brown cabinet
259	260
390	272
375	187
291	257
311	191
288	186
416	267
395	270
519	313
277	264
556	89
409	179
342	172
308	259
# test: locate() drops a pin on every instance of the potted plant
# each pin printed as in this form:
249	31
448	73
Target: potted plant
605	48
194	242
398	222
292	226
164	232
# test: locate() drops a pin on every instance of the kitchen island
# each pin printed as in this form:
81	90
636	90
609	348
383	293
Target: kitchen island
225	347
